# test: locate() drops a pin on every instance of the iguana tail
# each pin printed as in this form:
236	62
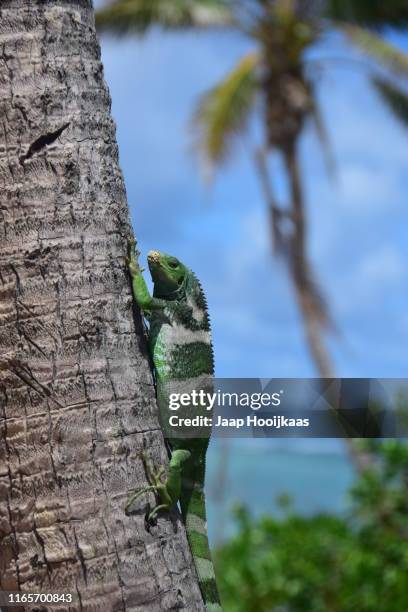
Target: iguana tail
192	504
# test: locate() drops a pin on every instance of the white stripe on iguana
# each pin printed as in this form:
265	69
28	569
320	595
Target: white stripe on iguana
213	607
198	313
178	334
195	523
205	569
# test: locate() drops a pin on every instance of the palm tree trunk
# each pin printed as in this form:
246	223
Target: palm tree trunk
314	312
275	213
77	402
311	306
310	303
295	253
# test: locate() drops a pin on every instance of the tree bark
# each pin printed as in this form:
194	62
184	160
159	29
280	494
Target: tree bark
77	401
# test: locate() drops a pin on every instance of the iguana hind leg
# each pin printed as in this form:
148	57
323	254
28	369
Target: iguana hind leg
167	492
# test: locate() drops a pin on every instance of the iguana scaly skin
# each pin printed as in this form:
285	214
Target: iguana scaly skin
180	346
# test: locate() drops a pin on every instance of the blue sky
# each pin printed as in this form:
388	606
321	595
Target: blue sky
358	223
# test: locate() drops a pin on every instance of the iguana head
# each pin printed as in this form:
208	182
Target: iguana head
168	273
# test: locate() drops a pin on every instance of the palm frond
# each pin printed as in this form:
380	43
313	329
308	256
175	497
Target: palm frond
137	16
377	48
223	112
394	97
369	13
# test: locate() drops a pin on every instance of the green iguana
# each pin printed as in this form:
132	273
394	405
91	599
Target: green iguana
180	345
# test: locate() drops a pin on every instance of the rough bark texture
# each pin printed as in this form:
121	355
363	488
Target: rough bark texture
76	396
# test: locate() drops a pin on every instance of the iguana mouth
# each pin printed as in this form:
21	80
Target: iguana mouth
154	257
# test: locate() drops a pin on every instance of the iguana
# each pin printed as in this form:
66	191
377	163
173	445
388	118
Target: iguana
180	346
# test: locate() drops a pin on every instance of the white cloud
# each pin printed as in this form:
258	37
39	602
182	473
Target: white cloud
366	188
365	286
382	268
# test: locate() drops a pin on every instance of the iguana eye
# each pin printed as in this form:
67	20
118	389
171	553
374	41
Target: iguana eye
173	264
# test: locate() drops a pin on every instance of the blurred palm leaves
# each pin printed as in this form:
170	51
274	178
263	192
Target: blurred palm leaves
138	16
223	113
394	97
274	82
369	13
377	48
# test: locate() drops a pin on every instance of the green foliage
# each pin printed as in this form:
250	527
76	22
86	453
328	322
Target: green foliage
381	494
377	48
124	16
394	97
371	13
224	111
327	563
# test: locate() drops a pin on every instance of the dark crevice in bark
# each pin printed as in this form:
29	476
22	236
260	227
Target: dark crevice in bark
42	547
24	373
81	607
42	142
81	558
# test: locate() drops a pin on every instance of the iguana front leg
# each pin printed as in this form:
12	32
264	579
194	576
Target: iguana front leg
140	291
167	492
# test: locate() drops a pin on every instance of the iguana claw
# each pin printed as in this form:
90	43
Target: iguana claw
131	260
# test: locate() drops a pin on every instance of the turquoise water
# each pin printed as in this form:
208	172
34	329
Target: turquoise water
317	476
